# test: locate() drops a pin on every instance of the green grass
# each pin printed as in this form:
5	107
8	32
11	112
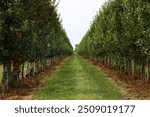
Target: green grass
77	80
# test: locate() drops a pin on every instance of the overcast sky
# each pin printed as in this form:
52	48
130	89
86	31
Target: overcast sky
77	16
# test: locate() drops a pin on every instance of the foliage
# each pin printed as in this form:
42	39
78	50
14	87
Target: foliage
120	31
30	31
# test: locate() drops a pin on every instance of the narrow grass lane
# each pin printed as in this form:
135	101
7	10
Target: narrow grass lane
77	80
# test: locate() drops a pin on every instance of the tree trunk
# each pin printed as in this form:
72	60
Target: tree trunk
28	66
16	72
129	67
22	74
6	79
143	68
105	61
125	66
148	70
133	66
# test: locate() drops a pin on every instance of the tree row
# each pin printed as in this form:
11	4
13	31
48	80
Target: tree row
120	37
31	36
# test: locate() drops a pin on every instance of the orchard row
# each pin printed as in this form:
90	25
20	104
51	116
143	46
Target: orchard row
30	33
120	37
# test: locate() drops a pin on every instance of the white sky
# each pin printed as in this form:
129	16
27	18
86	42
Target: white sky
77	16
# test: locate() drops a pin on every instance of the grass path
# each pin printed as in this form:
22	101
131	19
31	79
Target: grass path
77	80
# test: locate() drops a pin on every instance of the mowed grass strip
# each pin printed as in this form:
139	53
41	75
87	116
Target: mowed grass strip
77	80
